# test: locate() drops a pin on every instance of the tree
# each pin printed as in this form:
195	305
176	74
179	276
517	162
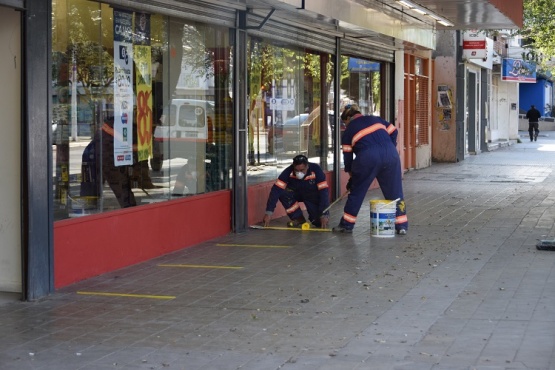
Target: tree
539	23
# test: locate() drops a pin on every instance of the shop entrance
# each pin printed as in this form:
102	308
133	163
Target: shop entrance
10	149
471	114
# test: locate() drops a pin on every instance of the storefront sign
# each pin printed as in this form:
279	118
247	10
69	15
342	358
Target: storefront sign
517	70
361	65
474	45
282	104
123	88
486	62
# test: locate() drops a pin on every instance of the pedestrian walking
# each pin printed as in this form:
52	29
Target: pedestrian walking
533	116
372	140
305	182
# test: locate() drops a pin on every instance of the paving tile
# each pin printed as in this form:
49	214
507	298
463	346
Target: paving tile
465	289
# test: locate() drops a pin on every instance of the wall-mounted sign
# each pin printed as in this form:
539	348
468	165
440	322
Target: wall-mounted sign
474	45
486	62
518	70
362	65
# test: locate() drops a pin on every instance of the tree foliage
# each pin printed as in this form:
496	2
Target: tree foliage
539	23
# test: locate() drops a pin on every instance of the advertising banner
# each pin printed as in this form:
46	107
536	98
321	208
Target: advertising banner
123	88
517	70
143	78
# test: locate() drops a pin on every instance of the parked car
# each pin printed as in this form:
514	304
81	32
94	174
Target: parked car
183	132
295	134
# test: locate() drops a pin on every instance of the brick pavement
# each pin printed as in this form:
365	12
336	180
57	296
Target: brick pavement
465	289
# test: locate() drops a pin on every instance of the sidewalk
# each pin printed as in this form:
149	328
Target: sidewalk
465	289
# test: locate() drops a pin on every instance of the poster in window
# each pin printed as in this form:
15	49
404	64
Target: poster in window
123	88
143	74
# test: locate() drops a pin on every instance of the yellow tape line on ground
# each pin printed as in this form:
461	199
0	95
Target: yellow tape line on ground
253	245
128	295
258	227
202	266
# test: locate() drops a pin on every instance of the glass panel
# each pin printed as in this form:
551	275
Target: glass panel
285	96
360	84
142	108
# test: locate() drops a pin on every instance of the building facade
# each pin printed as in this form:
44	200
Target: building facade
146	127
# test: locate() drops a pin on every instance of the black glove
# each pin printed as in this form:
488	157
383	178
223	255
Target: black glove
349	183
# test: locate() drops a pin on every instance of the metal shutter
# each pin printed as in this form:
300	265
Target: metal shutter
191	10
367	50
290	34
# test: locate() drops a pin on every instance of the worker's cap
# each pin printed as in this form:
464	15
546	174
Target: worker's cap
300	159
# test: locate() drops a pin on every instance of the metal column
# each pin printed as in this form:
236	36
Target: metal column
336	113
37	223
239	191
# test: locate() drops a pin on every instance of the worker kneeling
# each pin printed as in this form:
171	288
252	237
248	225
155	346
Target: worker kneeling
304	182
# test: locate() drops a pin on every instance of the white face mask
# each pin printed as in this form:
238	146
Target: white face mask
300	175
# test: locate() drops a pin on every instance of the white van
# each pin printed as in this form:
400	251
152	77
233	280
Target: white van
183	131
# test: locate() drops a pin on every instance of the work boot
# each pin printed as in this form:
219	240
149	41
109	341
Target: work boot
402	231
536	137
316	223
341	229
297	223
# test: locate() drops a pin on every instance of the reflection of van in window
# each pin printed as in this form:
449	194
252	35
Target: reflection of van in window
184	131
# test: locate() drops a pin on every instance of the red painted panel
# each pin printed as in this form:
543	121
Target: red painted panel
257	198
93	245
258	195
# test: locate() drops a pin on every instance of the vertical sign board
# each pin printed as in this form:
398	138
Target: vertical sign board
143	74
474	45
123	88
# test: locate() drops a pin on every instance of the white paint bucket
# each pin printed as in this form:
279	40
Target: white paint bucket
382	218
82	206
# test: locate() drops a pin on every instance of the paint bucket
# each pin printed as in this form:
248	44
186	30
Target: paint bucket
382	218
82	206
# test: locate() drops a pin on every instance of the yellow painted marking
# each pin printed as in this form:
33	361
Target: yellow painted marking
253	245
201	266
128	295
287	228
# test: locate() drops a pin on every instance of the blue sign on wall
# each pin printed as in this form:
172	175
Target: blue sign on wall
361	65
518	70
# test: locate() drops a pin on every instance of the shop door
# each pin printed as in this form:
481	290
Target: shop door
10	148
471	132
416	110
409	132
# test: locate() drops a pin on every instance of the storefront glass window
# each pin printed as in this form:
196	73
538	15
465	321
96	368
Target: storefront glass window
142	108
360	84
287	88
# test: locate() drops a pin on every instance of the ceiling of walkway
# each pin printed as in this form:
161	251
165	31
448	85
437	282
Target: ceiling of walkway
386	22
464	14
469	14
